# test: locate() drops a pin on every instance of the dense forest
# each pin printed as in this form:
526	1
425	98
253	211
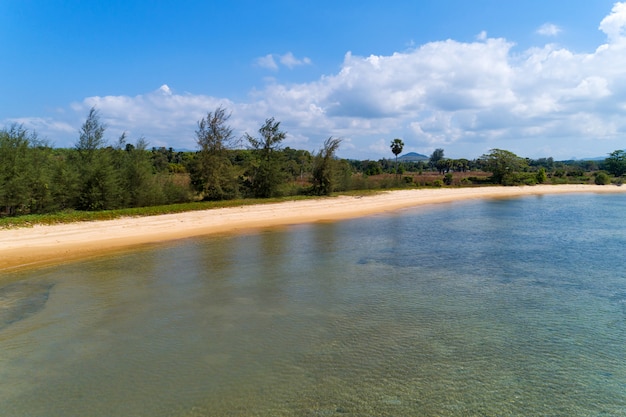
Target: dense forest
97	175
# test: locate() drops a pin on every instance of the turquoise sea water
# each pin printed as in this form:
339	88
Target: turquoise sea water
510	307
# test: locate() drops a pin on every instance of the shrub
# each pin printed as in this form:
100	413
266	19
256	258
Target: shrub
541	176
602	178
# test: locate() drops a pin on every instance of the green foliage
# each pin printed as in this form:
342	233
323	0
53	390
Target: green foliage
503	165
541	176
373	168
396	148
436	156
325	168
297	163
265	175
91	135
602	178
443	165
616	163
23	171
212	173
94	176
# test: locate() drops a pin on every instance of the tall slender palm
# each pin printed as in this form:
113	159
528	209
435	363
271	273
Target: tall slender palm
396	147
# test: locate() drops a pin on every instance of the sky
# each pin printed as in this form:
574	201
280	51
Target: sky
540	78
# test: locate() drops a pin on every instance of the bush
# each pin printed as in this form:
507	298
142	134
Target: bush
448	179
602	178
541	176
438	183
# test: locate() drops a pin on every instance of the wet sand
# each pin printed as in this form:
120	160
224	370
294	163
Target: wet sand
43	245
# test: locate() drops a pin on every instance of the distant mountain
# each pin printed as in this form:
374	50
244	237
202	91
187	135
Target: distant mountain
413	157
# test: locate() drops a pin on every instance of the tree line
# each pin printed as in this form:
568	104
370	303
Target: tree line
97	175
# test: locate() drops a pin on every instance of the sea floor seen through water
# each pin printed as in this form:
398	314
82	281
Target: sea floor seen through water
508	307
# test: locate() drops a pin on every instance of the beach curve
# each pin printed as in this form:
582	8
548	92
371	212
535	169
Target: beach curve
49	244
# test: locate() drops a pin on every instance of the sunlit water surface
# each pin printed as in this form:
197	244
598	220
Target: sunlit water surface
513	307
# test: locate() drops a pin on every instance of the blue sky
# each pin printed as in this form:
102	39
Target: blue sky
539	78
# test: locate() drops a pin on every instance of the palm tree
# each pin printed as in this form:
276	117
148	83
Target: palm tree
396	147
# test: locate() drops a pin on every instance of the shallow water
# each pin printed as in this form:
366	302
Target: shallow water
499	308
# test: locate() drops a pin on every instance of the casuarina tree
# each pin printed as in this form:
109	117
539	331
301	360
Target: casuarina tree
325	167
266	175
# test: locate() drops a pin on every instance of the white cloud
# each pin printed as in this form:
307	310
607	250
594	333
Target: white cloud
467	97
267	61
549	29
164	117
613	25
288	60
47	128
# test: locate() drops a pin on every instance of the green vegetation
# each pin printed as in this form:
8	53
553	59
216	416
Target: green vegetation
266	174
99	180
325	168
602	178
505	166
616	163
212	173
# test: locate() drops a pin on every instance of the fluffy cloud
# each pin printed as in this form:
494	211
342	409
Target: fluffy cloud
163	117
268	62
613	25
468	97
46	127
288	60
549	29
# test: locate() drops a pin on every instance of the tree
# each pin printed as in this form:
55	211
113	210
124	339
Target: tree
213	174
396	148
503	165
443	165
541	176
372	168
435	157
14	149
266	175
91	135
138	180
616	163
602	178
99	187
325	167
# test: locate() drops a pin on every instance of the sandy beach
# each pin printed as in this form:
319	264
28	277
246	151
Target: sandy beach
43	245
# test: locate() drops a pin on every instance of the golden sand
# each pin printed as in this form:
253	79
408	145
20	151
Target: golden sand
40	245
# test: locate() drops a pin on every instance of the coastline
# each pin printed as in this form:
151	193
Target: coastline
45	245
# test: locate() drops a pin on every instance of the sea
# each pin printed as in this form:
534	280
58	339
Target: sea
492	307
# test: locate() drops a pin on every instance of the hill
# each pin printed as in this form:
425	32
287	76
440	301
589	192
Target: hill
413	157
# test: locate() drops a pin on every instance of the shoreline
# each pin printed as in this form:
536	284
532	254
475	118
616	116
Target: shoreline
46	245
